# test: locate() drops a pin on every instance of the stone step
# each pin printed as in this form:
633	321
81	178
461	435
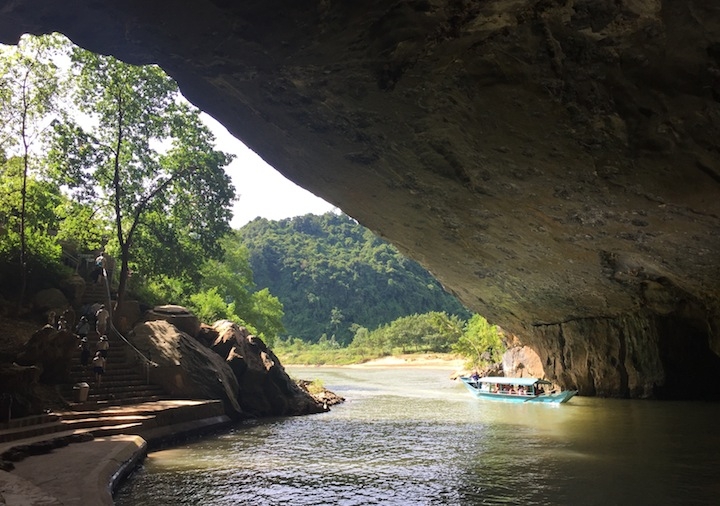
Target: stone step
29	420
109	376
114	352
158	422
109	382
28	431
89	422
110	370
116	374
123	394
113	430
107	403
115	356
100	393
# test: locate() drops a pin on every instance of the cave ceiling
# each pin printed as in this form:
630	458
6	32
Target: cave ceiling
547	160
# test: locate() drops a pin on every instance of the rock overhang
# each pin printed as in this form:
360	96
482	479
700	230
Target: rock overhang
554	164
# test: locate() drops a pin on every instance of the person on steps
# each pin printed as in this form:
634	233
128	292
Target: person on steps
84	351
98	363
83	328
98	274
101	318
103	346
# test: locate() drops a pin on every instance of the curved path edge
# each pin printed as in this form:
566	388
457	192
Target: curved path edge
88	473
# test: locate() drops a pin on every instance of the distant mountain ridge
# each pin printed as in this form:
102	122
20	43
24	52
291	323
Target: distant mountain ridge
332	274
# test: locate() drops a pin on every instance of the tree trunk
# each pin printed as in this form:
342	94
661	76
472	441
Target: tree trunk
124	274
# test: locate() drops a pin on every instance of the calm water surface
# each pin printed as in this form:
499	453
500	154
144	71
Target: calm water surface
412	436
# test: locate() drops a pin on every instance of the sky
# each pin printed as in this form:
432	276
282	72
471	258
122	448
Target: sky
263	191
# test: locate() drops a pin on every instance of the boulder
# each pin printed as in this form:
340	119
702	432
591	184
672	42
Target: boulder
265	387
21	384
52	351
207	335
74	288
178	316
236	367
186	368
50	300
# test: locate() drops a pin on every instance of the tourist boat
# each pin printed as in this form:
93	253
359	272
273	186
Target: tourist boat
515	389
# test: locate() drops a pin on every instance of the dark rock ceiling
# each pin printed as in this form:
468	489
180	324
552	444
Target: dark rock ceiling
554	163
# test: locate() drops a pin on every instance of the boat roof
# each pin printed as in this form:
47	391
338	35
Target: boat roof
503	380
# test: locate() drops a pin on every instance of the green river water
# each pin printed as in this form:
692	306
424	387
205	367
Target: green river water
410	436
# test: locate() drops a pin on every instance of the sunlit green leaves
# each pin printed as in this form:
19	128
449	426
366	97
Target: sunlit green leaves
144	153
41	222
481	343
434	331
29	86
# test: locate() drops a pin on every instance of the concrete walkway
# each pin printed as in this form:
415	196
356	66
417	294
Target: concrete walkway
87	473
80	474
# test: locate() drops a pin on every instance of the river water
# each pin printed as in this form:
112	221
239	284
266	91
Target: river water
411	436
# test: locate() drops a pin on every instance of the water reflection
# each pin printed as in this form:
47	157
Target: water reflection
410	436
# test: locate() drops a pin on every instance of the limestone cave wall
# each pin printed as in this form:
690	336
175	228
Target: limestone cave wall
553	162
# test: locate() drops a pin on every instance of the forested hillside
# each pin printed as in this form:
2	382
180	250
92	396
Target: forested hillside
334	276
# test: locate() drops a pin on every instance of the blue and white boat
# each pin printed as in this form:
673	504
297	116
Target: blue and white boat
500	388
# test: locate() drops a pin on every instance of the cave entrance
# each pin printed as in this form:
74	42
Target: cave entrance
690	364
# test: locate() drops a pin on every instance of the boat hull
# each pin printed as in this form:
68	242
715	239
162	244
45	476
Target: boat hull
548	398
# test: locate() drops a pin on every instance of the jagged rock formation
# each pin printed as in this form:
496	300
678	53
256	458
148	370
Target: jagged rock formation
264	387
236	367
553	162
186	368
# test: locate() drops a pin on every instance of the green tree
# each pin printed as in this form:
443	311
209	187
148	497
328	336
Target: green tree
433	331
51	220
149	159
336	318
227	291
29	85
481	343
41	200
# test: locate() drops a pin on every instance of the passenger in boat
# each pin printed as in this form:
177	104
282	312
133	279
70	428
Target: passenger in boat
539	390
521	390
512	390
475	376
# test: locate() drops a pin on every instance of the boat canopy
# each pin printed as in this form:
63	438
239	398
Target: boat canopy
502	380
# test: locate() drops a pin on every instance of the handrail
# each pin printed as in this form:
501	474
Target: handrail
72	258
147	362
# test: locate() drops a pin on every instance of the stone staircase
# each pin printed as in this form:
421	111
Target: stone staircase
94	292
124	382
29	427
124	403
159	423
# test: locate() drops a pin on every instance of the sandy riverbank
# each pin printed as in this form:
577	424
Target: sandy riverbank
430	361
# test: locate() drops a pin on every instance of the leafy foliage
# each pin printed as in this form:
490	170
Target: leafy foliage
28	88
41	221
53	223
434	331
148	157
228	291
481	343
333	275
137	161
